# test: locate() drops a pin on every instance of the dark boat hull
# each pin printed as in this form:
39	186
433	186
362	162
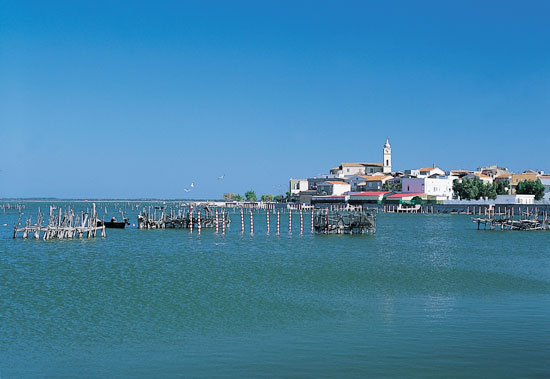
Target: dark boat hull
113	224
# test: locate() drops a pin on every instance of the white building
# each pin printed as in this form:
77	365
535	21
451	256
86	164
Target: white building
515	199
364	168
429	172
298	185
440	187
333	188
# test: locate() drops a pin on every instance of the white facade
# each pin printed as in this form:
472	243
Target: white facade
515	199
333	188
430	171
440	187
298	185
386	162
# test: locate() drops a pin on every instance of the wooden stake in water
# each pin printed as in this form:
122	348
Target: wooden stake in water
278	222
312	220
199	226
267	220
242	221
216	221
191	220
223	221
290	222
251	223
301	222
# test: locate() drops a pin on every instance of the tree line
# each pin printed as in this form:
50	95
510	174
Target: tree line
251	196
475	189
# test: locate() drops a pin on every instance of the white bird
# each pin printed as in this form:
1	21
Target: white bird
221	177
192	185
187	190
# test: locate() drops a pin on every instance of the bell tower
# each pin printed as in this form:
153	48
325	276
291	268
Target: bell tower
387	157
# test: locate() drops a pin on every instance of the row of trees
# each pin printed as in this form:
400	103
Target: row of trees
251	196
475	189
529	187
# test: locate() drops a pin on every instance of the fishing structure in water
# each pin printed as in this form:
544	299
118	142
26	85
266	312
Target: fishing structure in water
61	225
344	222
524	221
159	217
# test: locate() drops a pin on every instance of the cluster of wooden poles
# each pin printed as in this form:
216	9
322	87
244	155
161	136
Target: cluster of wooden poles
278	228
62	225
508	221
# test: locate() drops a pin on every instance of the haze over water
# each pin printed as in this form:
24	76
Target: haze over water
428	295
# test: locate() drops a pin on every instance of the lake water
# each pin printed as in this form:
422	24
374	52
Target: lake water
427	296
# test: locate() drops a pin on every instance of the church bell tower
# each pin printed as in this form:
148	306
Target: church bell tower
387	157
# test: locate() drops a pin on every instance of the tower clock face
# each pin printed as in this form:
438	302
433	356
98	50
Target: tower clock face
386	150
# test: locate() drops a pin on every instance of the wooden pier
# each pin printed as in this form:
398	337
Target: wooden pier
60	225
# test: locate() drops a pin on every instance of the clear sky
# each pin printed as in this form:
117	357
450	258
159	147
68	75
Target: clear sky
139	99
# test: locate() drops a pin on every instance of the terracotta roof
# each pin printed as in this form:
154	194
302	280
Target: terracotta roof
503	176
427	169
375	178
544	177
336	182
371	193
406	194
482	175
460	171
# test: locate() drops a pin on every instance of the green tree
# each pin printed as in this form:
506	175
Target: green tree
250	196
502	187
229	196
279	198
238	198
267	197
469	189
416	200
529	187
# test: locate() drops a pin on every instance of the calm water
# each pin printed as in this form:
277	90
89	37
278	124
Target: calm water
427	296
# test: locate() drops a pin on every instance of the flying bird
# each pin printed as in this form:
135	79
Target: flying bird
221	177
187	190
192	185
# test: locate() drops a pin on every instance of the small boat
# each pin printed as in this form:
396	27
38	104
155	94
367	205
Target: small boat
114	224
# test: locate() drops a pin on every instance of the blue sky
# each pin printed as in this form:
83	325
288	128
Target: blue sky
139	99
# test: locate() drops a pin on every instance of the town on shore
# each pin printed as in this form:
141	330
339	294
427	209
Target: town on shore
375	183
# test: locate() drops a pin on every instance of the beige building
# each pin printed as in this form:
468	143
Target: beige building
366	168
528	175
348	169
